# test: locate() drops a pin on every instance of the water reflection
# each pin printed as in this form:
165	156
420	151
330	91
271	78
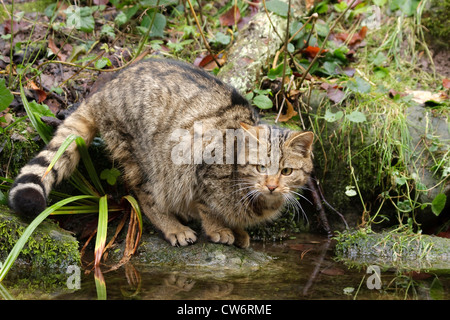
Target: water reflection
305	268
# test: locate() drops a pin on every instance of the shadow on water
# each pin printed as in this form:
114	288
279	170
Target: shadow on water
303	268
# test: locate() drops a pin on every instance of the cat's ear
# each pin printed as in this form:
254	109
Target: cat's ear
301	142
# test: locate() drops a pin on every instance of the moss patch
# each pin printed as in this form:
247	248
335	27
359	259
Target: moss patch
48	247
404	250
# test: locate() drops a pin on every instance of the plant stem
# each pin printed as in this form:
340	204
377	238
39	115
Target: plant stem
141	45
323	43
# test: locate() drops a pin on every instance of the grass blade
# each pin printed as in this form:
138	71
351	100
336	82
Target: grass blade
100	284
137	209
82	148
101	229
81	183
29	230
43	131
69	140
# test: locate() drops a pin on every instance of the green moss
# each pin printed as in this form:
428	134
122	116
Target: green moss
402	249
48	247
17	148
435	19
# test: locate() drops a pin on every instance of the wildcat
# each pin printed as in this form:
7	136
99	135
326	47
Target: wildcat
136	114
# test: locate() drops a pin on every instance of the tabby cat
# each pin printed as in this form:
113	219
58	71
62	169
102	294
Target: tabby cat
137	113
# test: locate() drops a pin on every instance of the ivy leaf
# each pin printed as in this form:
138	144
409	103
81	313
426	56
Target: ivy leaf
80	18
438	203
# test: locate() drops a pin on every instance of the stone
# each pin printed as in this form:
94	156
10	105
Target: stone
49	246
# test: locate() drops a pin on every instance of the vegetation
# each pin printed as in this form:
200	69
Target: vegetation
351	71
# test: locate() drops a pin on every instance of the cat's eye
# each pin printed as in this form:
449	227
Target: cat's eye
261	169
286	171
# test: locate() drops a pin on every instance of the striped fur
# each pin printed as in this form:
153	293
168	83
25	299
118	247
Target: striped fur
135	113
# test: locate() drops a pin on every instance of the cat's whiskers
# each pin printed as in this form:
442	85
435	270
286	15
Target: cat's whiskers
297	205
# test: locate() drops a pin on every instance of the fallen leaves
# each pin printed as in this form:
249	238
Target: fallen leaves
311	51
353	40
231	17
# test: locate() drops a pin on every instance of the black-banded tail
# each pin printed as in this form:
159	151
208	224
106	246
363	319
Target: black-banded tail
28	194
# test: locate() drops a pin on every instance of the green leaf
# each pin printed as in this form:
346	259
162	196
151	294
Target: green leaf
121	19
278	7
87	161
159	23
263	102
34	112
359	85
107	30
221	38
6	96
357	117
408	7
102	62
66	143
438	203
379	3
80	18
110	175
102	229
3	199
278	72
332	117
275	72
341	6
136	207
380	72
322	7
379	59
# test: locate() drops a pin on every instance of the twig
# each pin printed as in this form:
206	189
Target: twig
318	202
285	50
203	35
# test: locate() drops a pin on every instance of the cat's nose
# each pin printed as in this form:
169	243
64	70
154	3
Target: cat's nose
271	187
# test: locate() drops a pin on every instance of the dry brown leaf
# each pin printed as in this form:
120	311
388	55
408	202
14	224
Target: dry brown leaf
289	113
231	17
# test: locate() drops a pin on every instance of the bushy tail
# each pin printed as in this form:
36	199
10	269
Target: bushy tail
28	194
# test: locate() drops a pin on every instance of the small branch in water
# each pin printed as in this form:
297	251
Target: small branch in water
312	184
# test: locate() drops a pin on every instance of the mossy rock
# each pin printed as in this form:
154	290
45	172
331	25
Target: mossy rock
435	19
155	251
402	250
49	246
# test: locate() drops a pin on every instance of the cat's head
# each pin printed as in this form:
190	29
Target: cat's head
280	161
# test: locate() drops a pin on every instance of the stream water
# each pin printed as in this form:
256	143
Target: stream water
303	268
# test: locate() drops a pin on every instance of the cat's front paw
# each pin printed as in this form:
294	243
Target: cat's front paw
242	239
182	237
223	235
